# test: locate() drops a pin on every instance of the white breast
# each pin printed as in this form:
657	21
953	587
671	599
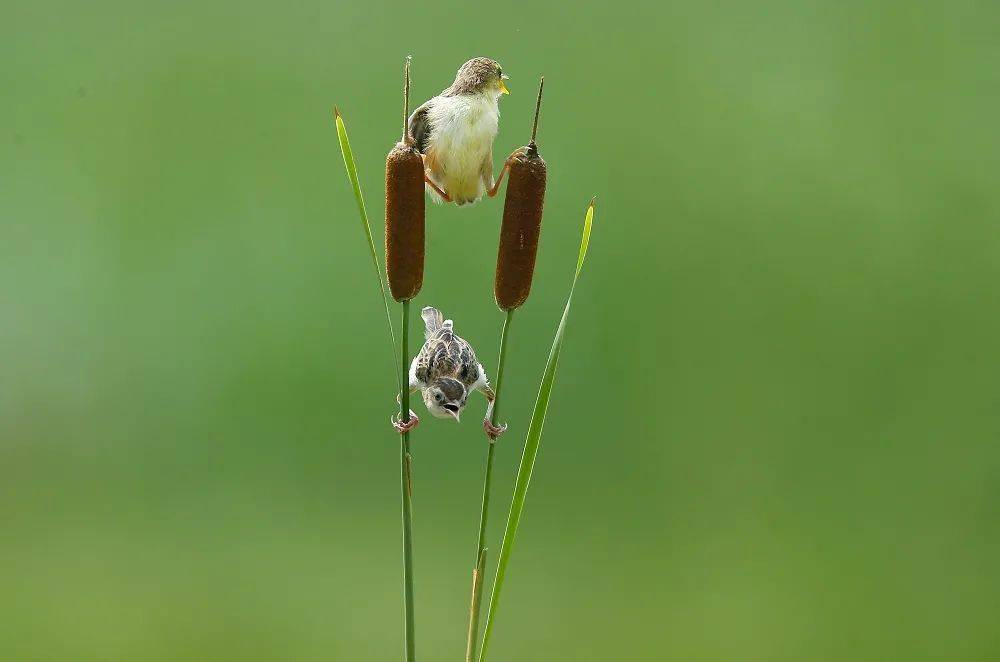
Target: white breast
462	132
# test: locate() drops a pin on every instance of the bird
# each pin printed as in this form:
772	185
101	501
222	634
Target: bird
446	371
454	132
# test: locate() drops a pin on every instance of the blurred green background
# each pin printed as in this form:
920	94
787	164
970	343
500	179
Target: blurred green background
775	430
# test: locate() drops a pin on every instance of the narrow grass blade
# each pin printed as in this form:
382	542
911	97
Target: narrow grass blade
352	174
532	443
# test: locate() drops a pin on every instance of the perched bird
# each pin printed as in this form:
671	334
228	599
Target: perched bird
445	371
455	131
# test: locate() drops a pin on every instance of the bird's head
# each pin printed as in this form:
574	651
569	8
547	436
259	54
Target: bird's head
482	75
445	398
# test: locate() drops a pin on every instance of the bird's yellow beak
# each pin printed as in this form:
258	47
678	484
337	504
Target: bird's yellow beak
503	87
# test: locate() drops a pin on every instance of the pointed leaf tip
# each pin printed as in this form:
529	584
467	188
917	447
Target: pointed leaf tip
336	111
588	222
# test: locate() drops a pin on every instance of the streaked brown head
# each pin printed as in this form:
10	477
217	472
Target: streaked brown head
445	398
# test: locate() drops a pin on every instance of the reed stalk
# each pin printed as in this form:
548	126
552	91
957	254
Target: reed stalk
478	572
406	487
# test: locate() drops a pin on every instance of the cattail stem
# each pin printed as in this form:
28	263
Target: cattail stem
538	108
406	486
478	572
406	98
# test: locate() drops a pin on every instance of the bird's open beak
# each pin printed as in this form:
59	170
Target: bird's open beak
503	87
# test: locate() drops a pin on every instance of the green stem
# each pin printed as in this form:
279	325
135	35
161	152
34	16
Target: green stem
477	573
406	479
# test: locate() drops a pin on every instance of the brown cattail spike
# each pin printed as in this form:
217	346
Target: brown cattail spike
522	221
404	211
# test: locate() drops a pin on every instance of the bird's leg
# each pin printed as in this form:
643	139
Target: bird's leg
397	423
427	180
402	427
438	189
493	432
503	171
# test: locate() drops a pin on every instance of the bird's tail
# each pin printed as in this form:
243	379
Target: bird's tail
433	320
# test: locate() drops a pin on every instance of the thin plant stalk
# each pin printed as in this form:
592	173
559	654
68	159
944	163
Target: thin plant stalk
477	573
406	487
532	442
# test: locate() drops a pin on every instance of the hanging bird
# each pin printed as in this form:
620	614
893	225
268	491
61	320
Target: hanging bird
455	130
445	371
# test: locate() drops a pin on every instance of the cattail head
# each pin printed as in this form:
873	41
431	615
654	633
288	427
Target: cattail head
404	211
522	221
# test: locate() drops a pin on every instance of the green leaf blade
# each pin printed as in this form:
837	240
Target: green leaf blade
532	443
588	224
352	174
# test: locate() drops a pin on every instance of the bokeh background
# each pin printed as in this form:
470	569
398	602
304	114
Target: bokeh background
774	434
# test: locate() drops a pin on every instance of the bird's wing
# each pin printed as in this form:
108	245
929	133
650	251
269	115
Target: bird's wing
469	372
419	126
420	369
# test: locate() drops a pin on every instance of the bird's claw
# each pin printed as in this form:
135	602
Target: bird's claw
402	427
493	431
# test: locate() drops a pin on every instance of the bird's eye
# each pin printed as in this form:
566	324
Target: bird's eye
438	397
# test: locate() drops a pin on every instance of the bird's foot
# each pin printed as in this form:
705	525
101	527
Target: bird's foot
402	427
493	431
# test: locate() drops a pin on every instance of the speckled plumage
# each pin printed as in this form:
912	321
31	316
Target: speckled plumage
446	369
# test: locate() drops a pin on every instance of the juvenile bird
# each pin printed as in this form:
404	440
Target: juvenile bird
445	371
455	131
